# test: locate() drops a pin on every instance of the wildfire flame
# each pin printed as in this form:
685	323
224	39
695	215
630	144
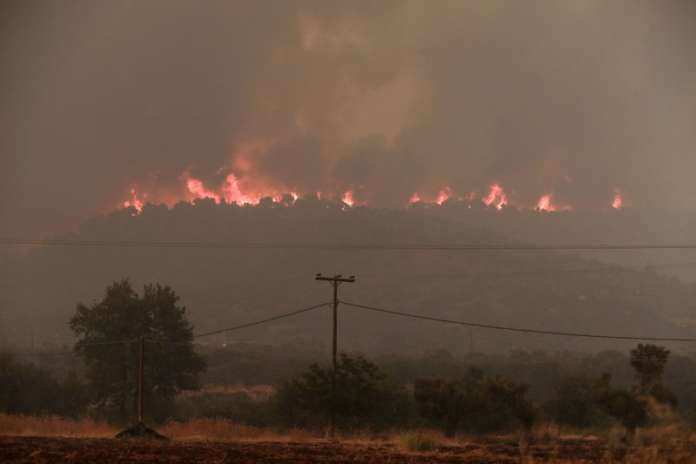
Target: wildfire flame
443	195
617	203
198	190
348	198
248	190
546	204
233	193
496	196
134	201
245	184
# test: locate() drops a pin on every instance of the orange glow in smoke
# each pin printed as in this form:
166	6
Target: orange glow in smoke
415	198
496	197
196	188
348	198
544	204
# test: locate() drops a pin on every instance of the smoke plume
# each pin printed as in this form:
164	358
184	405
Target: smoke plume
382	99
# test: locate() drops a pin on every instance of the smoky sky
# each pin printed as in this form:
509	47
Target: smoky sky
386	98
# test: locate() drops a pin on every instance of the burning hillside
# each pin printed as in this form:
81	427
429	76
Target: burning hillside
248	190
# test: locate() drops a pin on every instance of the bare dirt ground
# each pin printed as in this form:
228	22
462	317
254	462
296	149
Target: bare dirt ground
91	450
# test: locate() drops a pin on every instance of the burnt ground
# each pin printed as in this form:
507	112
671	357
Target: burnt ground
92	450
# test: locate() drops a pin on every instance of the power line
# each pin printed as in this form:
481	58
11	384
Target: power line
347	247
38	353
262	321
205	334
114	342
66	353
624	268
517	329
242	326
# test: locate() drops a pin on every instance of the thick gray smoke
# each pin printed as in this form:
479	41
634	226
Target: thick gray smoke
386	98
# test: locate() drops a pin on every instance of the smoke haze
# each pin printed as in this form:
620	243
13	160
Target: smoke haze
576	99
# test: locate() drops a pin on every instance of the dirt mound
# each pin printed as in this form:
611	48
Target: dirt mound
141	431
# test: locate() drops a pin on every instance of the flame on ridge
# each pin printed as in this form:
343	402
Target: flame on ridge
617	202
546	204
348	198
496	197
237	191
443	195
134	201
198	190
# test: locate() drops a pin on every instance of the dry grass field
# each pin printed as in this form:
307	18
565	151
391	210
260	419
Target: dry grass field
57	440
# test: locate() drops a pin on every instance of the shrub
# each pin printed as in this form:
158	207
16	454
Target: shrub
26	389
474	403
575	403
364	397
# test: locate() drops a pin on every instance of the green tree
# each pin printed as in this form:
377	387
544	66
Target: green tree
648	362
364	396
170	361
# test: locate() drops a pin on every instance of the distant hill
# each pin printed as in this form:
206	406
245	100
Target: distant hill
224	286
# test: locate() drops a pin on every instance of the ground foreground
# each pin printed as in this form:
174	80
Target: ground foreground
90	450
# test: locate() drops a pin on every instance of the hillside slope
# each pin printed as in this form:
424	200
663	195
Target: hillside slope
224	286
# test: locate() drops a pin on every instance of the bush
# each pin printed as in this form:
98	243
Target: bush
26	389
474	403
575	403
364	397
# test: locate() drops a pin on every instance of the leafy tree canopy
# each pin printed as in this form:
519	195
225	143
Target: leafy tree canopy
648	362
108	333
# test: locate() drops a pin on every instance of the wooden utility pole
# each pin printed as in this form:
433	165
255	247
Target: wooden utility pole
141	368
140	429
335	281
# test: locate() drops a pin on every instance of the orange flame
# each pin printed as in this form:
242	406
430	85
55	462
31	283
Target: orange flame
443	195
134	201
246	187
233	193
617	203
545	204
348	198
496	196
